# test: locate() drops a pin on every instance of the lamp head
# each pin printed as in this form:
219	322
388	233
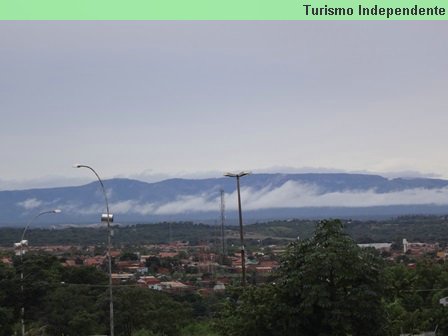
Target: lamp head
57	211
107	218
240	174
77	165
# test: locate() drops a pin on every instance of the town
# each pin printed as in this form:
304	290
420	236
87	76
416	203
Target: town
205	267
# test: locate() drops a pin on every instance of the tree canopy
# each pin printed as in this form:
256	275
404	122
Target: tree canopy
326	286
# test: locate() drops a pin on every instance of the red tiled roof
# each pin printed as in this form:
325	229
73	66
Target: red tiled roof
168	254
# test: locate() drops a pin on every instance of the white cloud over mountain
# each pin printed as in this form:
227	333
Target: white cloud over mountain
289	195
30	203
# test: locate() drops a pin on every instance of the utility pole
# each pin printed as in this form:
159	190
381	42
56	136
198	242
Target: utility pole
243	252
223	219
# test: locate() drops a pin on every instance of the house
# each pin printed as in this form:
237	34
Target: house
418	248
115	254
70	263
219	287
118	278
175	287
378	246
94	261
168	254
150	282
6	261
128	265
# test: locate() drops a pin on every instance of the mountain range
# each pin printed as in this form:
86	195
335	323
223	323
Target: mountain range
264	197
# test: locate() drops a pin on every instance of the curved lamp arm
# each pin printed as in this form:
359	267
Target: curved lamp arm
35	217
108	219
102	187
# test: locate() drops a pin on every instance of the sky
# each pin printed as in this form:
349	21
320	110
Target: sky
158	99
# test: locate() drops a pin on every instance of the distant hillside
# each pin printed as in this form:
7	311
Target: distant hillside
264	197
415	228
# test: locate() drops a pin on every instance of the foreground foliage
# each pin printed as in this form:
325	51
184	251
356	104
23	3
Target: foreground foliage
326	285
74	301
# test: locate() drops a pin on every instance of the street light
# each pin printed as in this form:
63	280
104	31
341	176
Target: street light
21	245
107	217
243	257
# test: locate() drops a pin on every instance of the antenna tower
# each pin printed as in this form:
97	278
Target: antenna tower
223	219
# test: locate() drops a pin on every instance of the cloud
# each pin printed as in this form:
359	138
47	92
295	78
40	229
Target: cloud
186	204
132	206
30	203
80	209
289	195
295	195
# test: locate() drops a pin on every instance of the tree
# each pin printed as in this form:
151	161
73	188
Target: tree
84	275
326	286
142	308
153	263
255	311
9	299
129	256
412	297
73	310
42	274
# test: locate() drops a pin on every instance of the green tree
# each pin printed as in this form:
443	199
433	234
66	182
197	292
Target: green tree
142	308
10	299
256	311
42	273
6	321
153	263
412	297
326	286
129	256
84	275
198	329
73	310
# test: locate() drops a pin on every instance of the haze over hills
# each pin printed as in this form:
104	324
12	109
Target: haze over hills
264	196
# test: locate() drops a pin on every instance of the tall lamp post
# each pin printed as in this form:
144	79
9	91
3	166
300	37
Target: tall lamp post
21	245
243	257
108	217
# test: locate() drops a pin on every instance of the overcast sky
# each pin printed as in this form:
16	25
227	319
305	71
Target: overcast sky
158	99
